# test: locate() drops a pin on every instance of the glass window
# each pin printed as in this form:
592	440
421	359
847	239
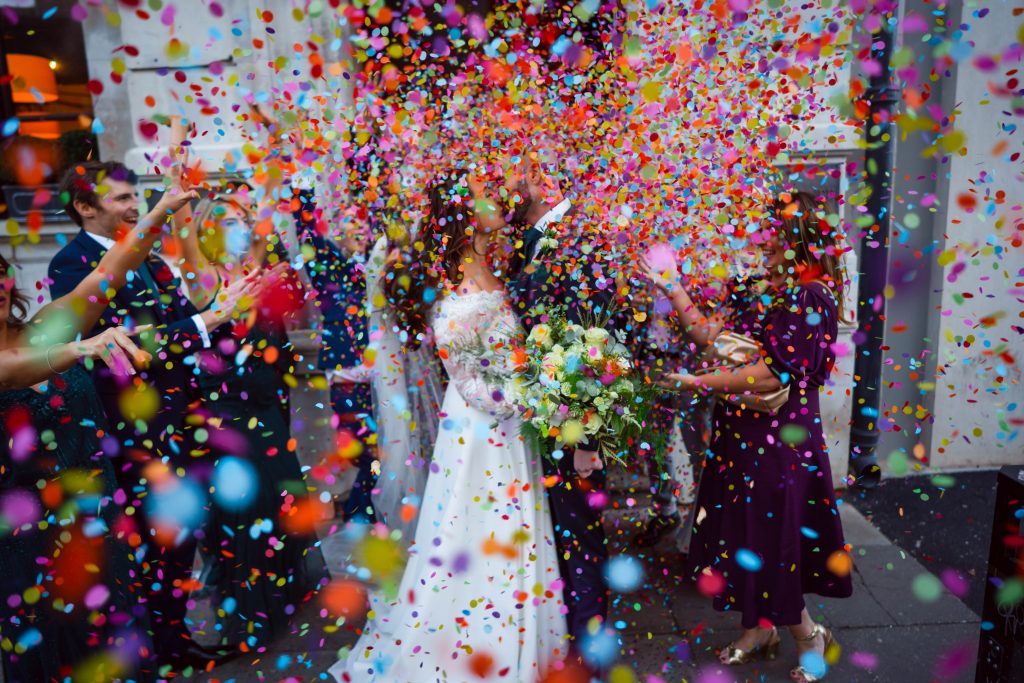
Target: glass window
46	90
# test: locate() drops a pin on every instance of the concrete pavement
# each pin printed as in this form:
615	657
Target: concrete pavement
900	624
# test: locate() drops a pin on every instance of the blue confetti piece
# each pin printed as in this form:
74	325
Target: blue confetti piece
748	559
809	533
624	573
813	663
600	649
95	528
234	483
11	126
30	638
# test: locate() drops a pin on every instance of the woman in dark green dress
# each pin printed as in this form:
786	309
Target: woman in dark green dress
67	575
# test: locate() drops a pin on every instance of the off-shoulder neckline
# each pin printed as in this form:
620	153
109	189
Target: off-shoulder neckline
481	292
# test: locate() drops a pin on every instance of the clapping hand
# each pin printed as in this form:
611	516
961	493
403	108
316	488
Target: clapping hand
680	381
276	275
174	199
115	348
237	296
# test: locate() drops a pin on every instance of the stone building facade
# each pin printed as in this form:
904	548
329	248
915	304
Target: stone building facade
937	417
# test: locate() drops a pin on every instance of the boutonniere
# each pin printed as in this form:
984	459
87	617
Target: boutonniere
549	239
547	243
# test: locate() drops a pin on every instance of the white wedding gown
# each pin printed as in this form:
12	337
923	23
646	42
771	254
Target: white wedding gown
481	592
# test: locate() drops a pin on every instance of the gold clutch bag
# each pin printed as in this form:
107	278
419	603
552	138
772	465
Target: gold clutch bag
734	350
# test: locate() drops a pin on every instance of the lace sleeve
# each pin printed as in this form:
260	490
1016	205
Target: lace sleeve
475	352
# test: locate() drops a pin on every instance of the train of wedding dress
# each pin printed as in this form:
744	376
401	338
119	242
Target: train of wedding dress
481	592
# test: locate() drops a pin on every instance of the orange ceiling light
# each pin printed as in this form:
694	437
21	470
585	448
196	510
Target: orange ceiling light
34	80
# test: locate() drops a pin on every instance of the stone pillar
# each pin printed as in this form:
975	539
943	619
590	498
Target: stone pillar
978	395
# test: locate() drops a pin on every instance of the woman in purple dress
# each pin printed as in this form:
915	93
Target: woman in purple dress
766	527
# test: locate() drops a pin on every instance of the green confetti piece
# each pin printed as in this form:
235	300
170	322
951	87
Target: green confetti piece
926	588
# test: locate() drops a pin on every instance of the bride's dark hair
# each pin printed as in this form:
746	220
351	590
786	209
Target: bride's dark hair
412	280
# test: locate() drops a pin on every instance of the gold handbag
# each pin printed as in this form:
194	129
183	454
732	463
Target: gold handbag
734	350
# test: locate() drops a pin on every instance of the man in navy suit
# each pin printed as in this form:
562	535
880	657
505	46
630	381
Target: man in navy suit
338	276
539	285
147	414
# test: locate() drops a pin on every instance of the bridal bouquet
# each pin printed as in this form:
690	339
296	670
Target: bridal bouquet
577	387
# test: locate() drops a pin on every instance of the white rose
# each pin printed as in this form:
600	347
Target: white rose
594	424
573	332
540	335
596	335
547	243
553	360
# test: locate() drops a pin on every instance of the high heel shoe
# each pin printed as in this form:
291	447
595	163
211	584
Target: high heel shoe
802	675
769	649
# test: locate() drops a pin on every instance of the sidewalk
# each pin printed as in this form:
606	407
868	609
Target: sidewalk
900	624
886	633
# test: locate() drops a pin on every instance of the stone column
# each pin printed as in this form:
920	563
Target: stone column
978	391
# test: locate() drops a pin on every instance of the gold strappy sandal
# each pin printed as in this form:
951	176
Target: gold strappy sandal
802	675
769	649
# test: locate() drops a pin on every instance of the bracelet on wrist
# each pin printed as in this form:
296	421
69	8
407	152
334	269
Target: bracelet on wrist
48	363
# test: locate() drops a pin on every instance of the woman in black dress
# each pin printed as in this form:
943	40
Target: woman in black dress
268	561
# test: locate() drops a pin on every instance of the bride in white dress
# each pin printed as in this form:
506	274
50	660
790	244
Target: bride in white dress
481	596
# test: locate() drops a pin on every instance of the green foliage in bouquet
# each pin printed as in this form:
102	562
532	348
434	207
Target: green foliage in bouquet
578	387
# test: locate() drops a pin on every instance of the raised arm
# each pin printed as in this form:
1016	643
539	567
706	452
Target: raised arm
77	311
201	278
700	328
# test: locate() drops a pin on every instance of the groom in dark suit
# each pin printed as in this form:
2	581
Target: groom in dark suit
541	283
147	414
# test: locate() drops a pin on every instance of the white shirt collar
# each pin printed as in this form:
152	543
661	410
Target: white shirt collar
108	244
104	241
553	214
